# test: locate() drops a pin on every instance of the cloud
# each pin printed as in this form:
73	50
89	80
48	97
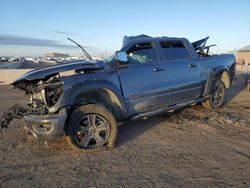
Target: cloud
64	32
28	41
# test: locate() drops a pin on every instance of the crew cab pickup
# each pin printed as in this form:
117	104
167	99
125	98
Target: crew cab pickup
148	76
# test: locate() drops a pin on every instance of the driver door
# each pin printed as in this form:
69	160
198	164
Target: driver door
143	79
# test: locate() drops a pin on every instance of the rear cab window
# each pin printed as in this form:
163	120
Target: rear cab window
142	53
174	50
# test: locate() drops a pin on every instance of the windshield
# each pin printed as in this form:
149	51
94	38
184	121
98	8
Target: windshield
108	59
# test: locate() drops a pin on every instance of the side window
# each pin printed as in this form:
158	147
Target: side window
142	53
174	50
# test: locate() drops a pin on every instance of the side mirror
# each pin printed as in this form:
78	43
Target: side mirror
121	57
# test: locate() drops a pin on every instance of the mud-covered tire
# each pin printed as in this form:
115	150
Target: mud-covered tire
86	123
217	94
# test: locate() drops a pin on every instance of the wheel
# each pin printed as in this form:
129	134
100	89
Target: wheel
92	128
216	97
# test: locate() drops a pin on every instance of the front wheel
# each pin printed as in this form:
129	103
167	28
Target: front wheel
217	96
92	128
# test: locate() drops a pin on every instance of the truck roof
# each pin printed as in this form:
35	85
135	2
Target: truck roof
128	39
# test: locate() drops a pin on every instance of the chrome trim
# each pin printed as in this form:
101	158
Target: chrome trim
57	122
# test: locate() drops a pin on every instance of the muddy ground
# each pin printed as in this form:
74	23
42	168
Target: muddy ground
192	147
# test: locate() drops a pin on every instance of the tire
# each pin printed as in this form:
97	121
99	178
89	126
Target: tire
92	128
217	96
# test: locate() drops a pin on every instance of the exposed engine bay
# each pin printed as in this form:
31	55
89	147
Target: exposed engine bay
43	95
45	86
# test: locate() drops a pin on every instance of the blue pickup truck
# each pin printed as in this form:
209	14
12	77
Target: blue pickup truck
148	76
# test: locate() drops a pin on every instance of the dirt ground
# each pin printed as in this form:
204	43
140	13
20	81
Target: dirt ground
192	147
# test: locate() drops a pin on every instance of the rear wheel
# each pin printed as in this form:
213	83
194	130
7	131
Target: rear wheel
216	97
92	128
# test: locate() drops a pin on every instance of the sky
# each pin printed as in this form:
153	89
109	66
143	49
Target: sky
33	28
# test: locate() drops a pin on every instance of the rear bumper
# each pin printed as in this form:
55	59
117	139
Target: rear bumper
45	127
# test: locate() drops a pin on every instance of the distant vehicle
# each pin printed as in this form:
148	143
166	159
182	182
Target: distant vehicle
4	59
29	58
11	62
148	76
14	59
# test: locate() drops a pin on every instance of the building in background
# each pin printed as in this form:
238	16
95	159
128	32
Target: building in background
244	54
56	55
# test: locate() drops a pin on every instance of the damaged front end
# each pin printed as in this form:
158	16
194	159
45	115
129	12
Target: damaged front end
39	121
43	116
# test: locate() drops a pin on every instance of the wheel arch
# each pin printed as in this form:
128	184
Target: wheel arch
94	92
218	72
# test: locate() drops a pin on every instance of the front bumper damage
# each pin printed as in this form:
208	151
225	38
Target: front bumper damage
39	119
44	127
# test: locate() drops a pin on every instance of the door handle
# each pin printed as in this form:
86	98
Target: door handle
158	69
192	65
